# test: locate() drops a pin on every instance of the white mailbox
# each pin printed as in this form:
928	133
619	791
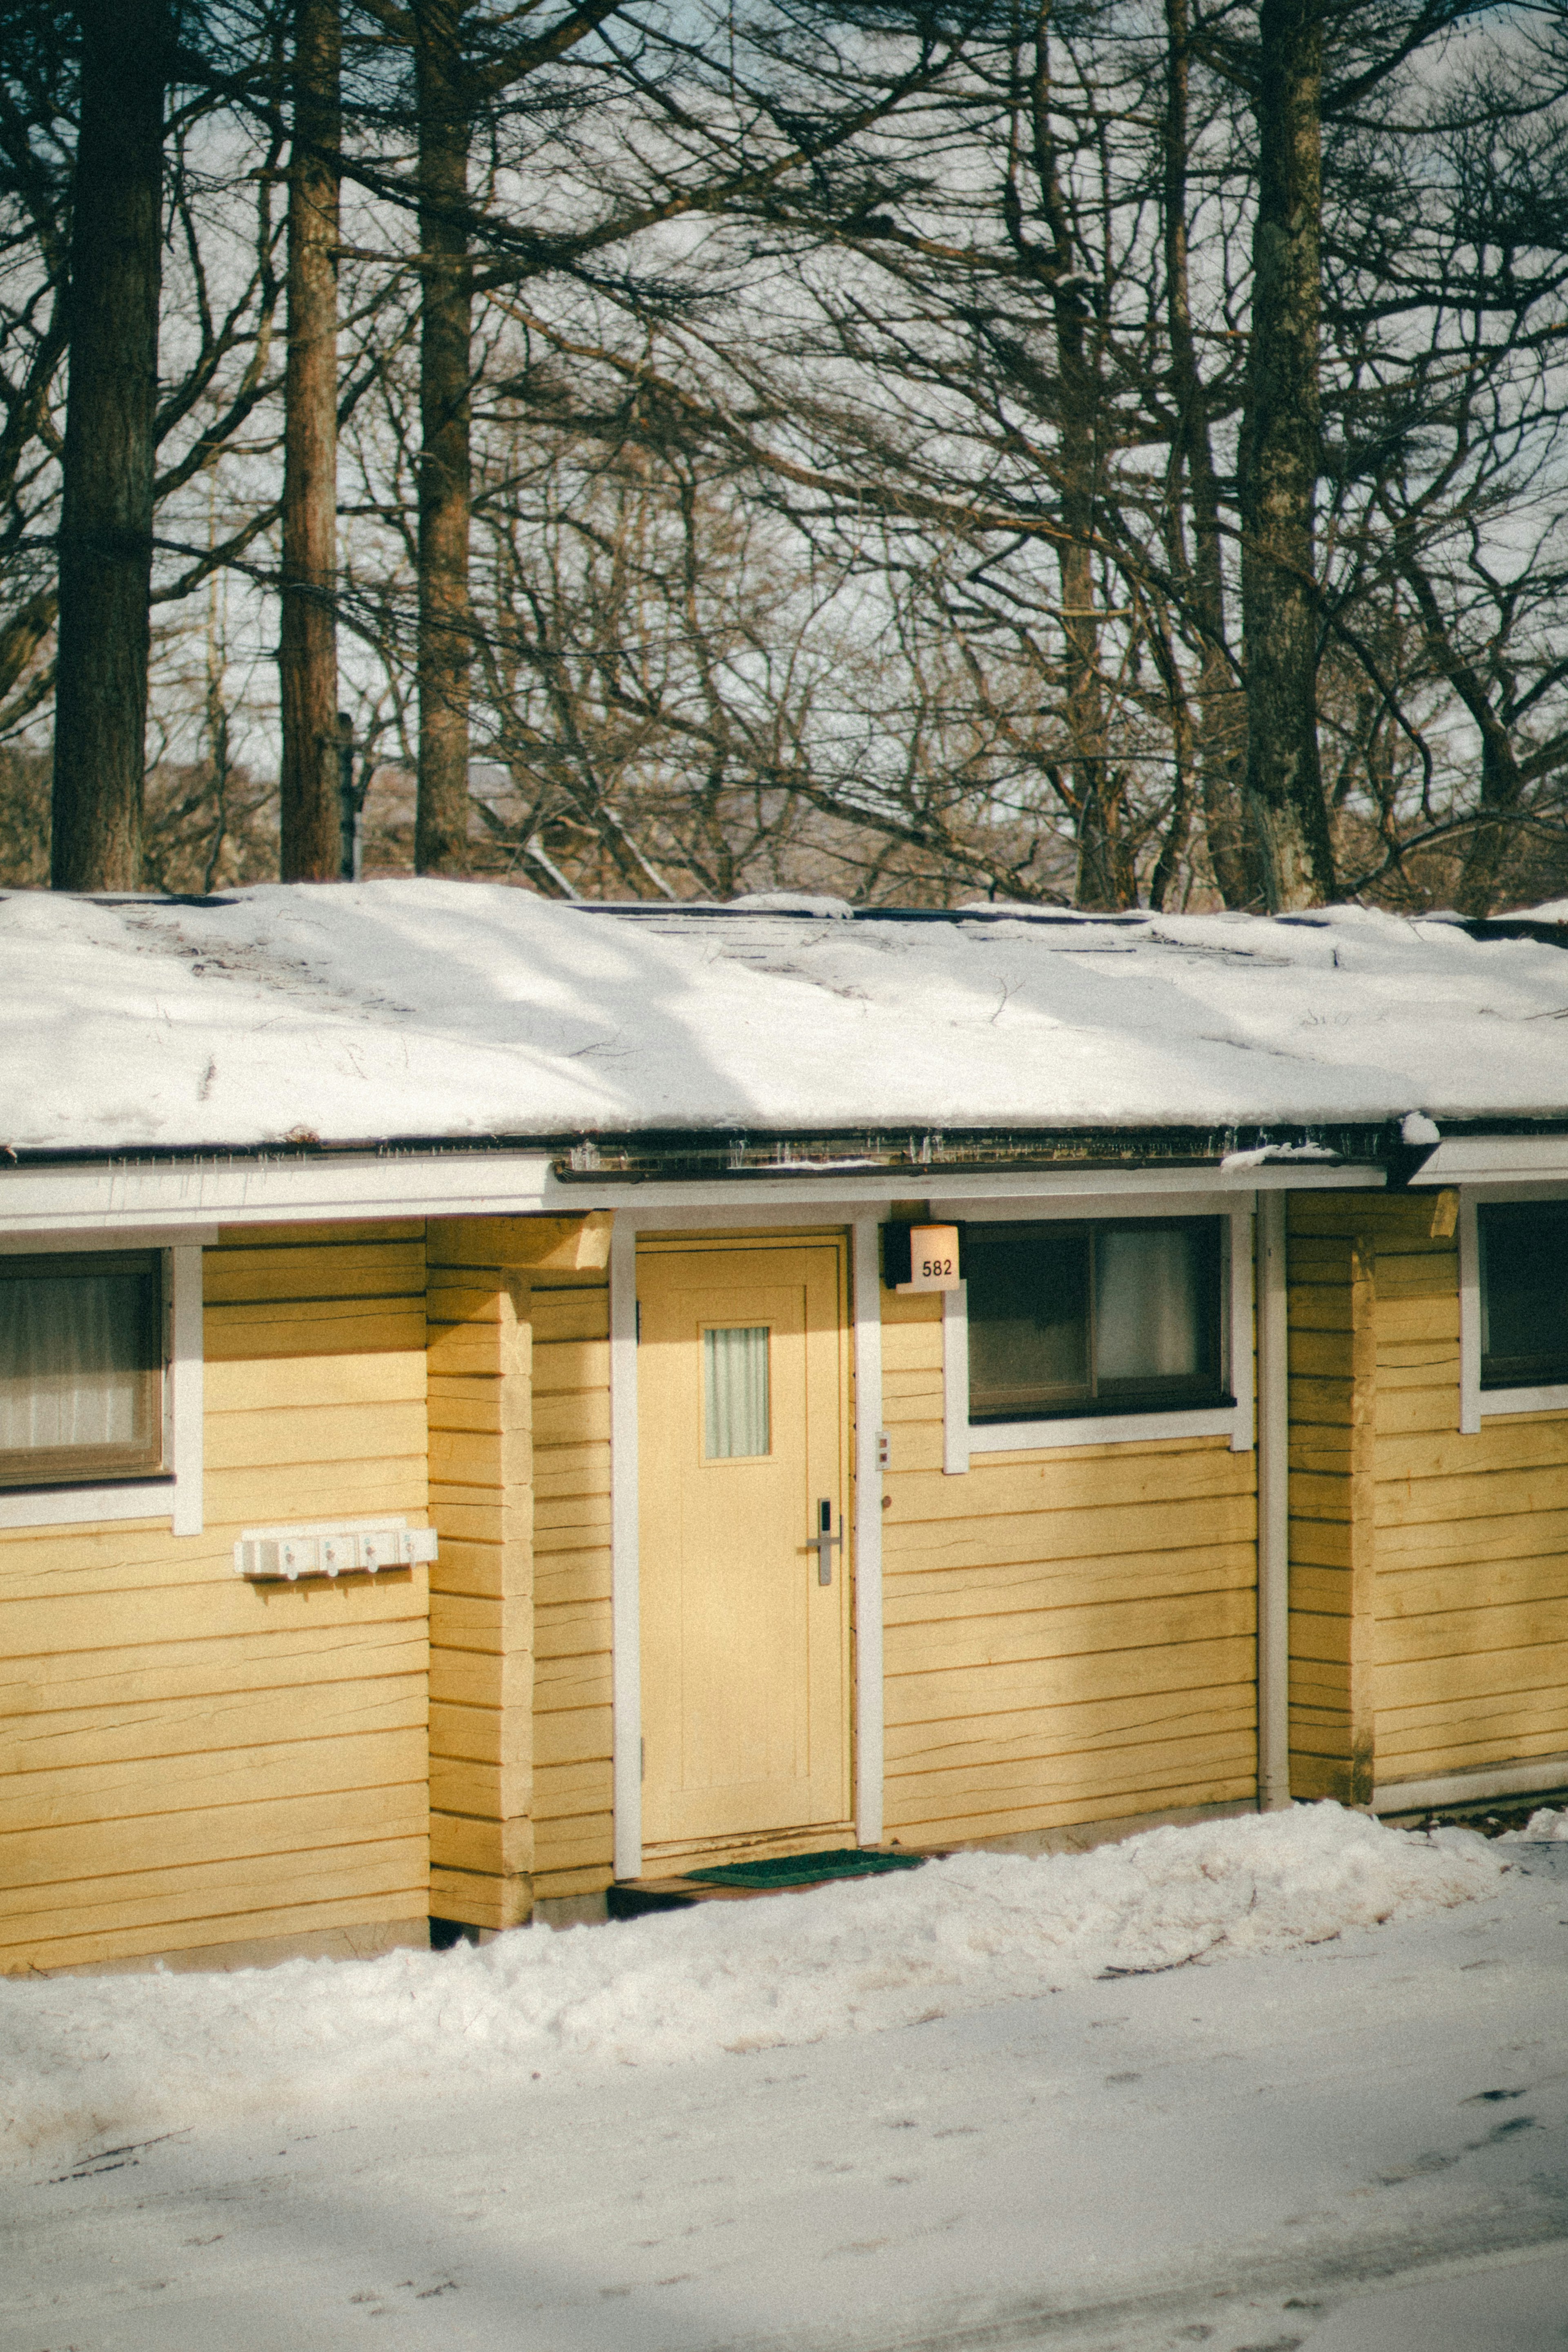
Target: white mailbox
361	1548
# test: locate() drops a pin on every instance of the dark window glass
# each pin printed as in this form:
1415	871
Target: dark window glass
1524	1292
1108	1317
81	1368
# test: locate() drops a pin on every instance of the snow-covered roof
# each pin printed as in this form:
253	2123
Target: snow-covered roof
424	1009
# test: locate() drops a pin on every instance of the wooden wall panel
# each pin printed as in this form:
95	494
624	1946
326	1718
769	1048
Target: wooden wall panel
573	1830
477	1315
1472	1533
1070	1634
1465	1656
1333	1415
187	1760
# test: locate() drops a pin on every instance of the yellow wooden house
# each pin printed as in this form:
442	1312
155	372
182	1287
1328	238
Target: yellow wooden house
501	1401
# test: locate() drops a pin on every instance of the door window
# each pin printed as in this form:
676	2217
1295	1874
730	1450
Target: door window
734	1393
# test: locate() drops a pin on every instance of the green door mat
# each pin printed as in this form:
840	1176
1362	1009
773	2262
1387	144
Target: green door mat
806	1869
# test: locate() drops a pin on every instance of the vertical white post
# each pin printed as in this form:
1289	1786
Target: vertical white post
1273	1508
1470	1319
626	1679
867	1310
956	1380
1239	1269
185	1387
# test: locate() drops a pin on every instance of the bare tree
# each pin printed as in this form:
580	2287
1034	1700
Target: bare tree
307	650
106	514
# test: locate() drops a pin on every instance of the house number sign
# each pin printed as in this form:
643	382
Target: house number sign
933	1258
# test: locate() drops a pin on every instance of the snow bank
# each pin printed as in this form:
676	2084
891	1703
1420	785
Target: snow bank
91	2056
1545	1822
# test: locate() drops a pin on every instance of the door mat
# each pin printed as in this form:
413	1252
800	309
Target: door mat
806	1869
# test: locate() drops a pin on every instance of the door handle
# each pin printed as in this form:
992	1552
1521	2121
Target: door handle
825	1541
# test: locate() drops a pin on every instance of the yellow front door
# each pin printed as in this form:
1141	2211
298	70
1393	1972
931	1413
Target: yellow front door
742	1384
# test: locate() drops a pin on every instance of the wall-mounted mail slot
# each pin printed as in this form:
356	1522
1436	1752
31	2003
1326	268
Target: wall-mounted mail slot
358	1548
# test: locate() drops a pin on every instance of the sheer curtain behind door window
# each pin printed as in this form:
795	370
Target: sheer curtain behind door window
734	1393
80	1368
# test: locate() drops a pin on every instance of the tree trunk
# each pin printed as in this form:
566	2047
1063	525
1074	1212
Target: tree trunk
1287	821
1502	780
1220	731
106	516
1102	878
307	643
441	825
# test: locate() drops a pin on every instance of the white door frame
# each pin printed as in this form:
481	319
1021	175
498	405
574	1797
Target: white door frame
863	1219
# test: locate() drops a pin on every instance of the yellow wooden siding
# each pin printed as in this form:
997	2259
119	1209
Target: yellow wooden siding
1470	1667
1332	1391
1069	1634
186	1759
481	1600
574	1829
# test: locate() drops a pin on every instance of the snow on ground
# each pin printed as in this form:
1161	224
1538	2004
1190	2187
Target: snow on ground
1546	1822
424	1008
1356	2145
130	2053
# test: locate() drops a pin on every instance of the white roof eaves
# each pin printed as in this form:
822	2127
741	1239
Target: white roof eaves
185	1198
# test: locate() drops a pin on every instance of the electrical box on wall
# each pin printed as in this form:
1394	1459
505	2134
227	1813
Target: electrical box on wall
359	1547
922	1257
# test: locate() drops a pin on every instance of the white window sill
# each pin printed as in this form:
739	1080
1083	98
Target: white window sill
65	1506
1552	1399
1103	1428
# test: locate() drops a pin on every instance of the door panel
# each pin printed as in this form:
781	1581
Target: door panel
741	1381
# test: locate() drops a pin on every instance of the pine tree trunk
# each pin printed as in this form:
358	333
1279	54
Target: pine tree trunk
307	643
1219	732
1287	821
441	826
106	516
1103	877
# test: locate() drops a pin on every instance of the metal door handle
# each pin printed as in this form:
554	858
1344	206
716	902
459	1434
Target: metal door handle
825	1541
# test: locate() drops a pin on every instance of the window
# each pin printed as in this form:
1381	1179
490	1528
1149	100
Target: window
81	1368
735	1393
1079	1320
1522	1248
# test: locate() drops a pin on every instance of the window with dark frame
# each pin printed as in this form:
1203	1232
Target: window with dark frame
1113	1317
1524	1251
81	1368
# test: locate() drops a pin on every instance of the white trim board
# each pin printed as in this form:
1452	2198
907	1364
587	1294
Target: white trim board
1507	1160
865	1306
177	1498
114	1237
206	1193
1273	1508
210	1189
720	1201
626	1625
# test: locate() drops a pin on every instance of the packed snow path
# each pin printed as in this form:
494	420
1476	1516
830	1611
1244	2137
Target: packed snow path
1231	2152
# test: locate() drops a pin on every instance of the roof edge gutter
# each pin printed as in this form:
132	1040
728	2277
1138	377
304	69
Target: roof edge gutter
168	1192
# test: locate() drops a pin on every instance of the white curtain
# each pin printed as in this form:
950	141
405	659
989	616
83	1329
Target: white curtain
735	1393
1148	1322
72	1369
